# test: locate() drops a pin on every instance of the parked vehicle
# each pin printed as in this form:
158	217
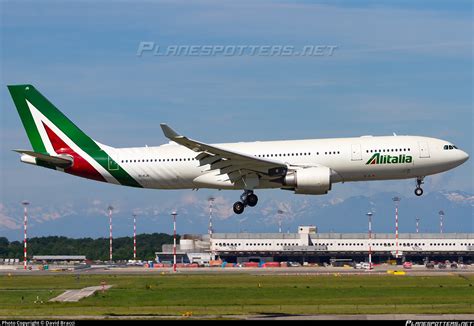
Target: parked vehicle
407	265
365	265
430	265
441	266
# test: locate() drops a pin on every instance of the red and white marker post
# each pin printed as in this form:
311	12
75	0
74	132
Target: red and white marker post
110	208
174	240
25	225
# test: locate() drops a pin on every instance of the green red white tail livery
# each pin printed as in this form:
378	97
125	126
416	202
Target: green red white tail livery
309	166
53	136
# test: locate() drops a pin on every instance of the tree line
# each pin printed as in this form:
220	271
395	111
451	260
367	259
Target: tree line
93	249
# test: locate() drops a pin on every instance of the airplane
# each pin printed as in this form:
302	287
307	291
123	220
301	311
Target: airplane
309	166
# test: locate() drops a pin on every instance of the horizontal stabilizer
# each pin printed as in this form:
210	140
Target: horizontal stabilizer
61	161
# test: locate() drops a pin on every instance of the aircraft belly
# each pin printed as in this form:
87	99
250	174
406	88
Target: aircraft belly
172	178
162	178
376	172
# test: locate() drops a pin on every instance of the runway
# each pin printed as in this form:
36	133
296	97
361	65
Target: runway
121	270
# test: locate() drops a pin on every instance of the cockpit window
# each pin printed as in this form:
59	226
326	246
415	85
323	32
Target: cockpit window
448	147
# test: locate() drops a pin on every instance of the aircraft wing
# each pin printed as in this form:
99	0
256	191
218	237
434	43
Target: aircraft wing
233	163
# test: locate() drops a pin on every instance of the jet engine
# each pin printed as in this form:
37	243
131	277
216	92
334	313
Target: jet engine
309	181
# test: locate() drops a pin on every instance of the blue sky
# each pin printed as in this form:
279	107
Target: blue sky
403	67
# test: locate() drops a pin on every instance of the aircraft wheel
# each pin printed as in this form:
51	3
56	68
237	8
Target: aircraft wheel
238	207
252	200
418	191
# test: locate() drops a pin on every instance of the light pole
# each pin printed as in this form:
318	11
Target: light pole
134	237
396	200
417	225
110	208
280	212
441	217
25	220
211	201
174	240
369	214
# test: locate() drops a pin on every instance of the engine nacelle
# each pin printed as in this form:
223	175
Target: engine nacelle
309	181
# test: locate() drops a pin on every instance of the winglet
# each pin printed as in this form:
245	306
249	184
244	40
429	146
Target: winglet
169	133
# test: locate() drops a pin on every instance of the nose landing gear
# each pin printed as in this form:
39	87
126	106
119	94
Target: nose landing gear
418	190
248	198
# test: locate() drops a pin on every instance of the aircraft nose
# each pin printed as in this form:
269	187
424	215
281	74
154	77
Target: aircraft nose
464	157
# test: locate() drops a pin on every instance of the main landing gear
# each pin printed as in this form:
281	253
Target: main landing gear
418	190
248	198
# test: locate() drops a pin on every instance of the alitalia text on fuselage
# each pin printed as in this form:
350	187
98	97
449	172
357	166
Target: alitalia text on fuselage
377	158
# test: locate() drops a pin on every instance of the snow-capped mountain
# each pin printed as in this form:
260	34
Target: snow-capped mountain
326	212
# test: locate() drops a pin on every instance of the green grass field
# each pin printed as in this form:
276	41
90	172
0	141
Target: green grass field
216	294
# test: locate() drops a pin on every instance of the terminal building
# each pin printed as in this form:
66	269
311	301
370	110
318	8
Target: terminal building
309	246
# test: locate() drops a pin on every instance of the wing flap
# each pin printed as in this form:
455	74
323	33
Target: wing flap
209	160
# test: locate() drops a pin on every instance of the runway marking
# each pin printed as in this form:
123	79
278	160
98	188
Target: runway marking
76	295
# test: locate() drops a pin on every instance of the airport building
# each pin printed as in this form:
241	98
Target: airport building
59	259
309	246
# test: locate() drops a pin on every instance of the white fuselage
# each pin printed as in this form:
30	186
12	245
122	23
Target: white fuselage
172	166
